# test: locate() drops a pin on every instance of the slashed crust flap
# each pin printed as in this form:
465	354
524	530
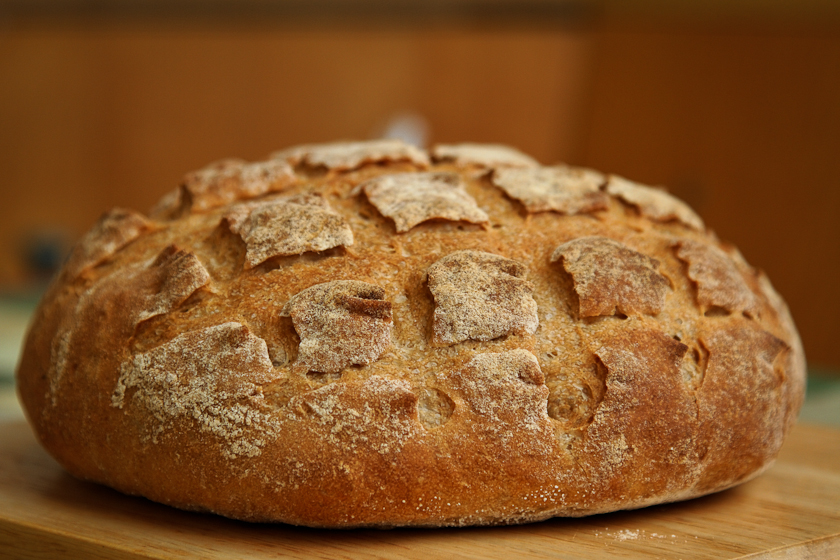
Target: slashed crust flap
609	277
482	155
480	296
346	156
412	198
340	323
288	226
112	232
212	376
654	203
223	182
564	189
719	282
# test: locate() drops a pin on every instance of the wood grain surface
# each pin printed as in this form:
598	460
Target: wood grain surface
790	512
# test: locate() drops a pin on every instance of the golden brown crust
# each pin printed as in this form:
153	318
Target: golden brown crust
340	324
347	156
645	426
478	361
740	401
212	376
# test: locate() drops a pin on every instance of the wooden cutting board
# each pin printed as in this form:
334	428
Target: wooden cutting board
790	512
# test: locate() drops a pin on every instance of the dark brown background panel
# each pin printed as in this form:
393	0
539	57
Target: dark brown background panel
746	127
100	115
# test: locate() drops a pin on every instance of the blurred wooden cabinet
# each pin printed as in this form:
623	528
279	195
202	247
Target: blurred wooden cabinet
98	115
742	123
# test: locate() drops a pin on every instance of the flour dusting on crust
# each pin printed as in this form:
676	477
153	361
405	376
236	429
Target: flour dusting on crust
340	323
643	396
480	296
289	226
412	198
564	189
656	204
378	414
346	156
139	292
212	376
482	155
612	278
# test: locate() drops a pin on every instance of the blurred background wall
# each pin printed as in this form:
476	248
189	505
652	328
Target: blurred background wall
734	106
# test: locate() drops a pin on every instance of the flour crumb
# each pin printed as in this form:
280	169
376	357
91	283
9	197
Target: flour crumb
626	535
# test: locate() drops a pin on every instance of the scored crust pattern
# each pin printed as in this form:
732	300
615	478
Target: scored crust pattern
373	414
506	389
646	422
113	231
739	400
212	376
172	278
567	357
346	156
141	292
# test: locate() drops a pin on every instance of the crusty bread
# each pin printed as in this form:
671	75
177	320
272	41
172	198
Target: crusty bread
367	334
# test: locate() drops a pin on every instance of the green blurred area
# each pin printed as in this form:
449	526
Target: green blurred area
822	400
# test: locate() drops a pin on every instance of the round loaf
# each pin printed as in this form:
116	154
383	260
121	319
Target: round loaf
367	334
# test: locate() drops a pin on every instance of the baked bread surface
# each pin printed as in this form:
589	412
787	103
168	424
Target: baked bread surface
367	334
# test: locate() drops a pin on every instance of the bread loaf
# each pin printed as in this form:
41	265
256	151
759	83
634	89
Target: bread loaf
368	334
